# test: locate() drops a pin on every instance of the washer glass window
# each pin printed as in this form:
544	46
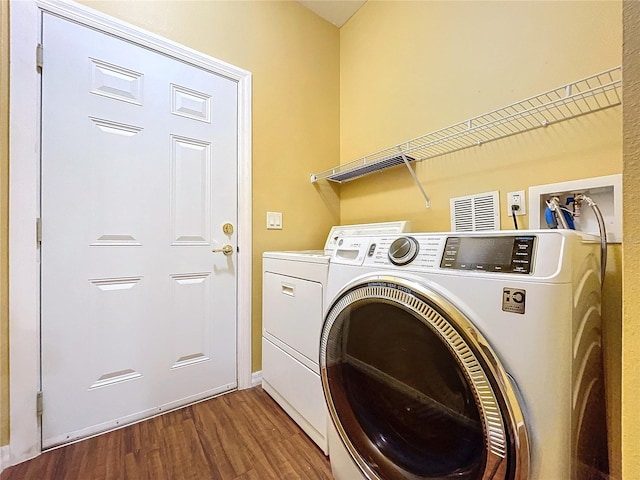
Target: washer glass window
401	396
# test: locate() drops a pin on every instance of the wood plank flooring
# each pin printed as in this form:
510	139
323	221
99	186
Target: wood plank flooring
242	435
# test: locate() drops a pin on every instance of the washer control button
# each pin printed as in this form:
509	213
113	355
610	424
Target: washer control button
403	250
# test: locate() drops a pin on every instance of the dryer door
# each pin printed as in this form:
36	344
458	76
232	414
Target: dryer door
414	390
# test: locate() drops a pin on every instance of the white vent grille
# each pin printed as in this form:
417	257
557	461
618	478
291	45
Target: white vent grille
479	212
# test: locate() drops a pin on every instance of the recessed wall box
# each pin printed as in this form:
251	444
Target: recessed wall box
605	191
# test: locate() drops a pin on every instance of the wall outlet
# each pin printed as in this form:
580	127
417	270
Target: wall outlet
274	220
516	199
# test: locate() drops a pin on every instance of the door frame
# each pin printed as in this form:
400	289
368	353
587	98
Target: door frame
24	201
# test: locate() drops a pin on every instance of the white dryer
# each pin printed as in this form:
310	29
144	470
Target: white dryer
472	356
293	302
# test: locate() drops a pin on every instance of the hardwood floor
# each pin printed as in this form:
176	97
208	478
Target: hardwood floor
243	435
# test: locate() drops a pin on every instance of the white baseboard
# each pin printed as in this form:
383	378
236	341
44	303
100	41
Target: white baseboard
256	378
5	457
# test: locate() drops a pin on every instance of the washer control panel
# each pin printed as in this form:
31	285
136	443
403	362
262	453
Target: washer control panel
481	253
527	254
500	254
421	251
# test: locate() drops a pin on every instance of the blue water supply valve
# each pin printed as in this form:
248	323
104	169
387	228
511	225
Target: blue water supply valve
551	220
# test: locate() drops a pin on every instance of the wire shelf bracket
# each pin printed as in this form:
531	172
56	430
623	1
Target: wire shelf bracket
588	95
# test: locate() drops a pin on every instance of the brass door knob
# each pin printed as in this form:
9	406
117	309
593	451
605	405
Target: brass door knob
226	249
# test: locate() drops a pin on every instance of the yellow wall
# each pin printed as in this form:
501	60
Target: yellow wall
631	250
409	68
4	223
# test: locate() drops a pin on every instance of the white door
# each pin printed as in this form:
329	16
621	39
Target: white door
139	155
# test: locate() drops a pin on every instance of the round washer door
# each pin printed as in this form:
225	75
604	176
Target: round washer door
414	390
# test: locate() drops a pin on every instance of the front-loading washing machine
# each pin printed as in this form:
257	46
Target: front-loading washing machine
469	356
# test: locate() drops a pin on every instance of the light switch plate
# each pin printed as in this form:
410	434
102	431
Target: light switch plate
274	220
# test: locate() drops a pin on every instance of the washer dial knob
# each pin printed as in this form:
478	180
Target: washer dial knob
403	250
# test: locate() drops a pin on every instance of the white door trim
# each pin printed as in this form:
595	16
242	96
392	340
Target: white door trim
24	208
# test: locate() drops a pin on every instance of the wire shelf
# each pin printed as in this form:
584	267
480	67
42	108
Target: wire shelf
591	94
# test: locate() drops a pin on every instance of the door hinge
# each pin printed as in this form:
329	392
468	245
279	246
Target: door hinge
39	403
39	231
39	61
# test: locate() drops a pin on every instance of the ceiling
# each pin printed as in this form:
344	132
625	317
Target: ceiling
334	11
